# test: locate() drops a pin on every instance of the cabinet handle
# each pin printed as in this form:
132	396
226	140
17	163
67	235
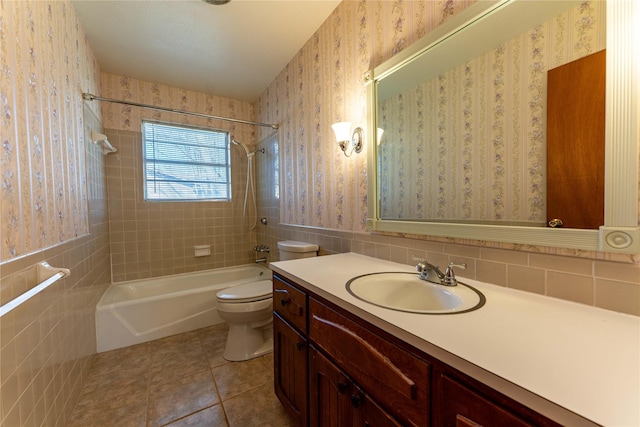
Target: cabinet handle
356	400
299	345
342	387
284	302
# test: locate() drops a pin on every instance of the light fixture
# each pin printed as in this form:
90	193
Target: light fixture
345	138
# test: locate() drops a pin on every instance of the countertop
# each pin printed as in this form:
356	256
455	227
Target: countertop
536	349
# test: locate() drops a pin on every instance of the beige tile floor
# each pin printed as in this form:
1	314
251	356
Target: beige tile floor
179	381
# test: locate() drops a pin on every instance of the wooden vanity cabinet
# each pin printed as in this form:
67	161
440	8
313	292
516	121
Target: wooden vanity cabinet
333	368
389	374
460	401
290	350
336	401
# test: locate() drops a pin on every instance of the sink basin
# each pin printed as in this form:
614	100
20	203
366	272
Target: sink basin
407	292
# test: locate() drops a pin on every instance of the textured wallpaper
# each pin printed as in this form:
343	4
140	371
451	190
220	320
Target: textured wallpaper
323	84
123	117
46	64
469	144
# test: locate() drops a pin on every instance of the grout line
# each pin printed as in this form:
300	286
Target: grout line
215	384
148	371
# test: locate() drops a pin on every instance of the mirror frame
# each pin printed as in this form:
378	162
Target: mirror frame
620	232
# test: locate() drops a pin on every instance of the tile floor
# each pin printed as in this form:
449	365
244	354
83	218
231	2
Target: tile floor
179	381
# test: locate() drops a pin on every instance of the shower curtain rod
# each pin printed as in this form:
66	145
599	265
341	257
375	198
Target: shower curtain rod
91	97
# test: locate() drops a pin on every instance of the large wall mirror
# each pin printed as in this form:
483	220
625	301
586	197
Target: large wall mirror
461	125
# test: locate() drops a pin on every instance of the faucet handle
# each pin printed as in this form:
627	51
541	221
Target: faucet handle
453	264
450	275
421	265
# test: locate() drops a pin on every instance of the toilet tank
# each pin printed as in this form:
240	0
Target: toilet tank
291	249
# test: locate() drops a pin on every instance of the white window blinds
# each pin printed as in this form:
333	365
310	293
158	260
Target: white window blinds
185	163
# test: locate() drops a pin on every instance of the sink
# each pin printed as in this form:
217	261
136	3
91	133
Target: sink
407	292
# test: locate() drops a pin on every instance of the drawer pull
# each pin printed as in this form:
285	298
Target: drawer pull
356	400
292	305
299	345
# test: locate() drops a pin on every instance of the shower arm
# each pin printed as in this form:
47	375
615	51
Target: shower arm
91	97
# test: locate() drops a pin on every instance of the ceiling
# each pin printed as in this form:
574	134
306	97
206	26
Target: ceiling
234	50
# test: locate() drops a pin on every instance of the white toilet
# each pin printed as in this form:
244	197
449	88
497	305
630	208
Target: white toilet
248	309
290	249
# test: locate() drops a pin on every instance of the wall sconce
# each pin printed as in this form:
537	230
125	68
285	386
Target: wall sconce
346	138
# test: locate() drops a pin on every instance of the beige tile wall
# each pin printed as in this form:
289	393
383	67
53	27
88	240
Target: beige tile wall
46	343
606	284
150	239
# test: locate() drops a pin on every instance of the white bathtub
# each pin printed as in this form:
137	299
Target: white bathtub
143	310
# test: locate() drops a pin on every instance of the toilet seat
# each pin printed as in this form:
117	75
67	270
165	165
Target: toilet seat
247	292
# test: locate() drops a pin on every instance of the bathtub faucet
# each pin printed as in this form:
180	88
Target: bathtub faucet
261	248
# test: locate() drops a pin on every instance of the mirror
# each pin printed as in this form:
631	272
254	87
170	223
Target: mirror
478	97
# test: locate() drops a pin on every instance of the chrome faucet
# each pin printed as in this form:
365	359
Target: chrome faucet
432	273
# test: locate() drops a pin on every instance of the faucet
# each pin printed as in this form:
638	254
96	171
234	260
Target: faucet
261	249
433	274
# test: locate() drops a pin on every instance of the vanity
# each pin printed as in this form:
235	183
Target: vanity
518	360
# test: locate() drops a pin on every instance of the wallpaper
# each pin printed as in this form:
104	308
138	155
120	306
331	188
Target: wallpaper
123	117
469	145
46	63
323	84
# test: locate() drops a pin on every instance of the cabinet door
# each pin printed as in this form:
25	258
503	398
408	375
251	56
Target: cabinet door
335	401
395	378
458	406
329	393
290	355
367	412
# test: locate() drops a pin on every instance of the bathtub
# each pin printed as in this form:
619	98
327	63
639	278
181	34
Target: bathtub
143	310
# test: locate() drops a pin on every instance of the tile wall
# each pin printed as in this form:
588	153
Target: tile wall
46	343
150	239
605	284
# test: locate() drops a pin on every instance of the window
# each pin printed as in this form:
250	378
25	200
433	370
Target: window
185	163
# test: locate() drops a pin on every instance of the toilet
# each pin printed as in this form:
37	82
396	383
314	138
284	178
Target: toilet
248	309
291	249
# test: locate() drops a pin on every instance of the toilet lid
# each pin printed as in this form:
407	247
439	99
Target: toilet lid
252	291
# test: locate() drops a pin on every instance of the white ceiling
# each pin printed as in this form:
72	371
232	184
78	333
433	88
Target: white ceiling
234	50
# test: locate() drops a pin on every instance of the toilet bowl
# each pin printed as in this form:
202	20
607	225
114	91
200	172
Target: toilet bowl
248	309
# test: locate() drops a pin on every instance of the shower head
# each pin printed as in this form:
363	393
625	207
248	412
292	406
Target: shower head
242	145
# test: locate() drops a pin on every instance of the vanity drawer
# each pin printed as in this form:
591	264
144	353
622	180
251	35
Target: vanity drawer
290	303
395	378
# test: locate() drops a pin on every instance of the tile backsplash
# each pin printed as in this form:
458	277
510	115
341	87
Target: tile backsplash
606	284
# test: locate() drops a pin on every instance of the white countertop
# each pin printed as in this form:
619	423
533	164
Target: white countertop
583	359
